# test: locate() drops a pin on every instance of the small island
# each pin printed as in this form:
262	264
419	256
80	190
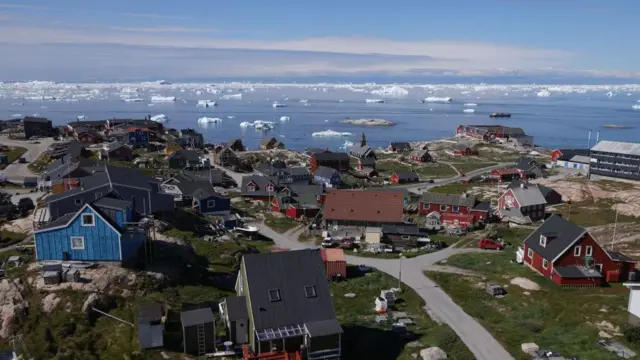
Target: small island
612	126
368	122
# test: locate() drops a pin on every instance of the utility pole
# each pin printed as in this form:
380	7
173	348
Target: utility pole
400	273
615	225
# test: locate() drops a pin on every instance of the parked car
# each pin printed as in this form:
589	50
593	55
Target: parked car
328	243
22	160
490	244
348	244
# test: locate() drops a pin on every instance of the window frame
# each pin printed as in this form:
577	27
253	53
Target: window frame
588	250
210	202
274	295
577	250
313	289
543	241
93	219
443	207
455	209
78	201
251	188
530	253
72	238
545	264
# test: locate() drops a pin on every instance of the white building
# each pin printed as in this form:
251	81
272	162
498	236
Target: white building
634	303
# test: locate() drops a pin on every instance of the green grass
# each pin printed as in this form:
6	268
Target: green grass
552	317
39	164
13	154
279	224
364	339
592	213
470	166
435	171
453	188
8	238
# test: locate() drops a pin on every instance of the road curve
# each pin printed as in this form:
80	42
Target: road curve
478	339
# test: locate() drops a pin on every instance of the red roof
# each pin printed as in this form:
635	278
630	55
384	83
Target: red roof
506	171
355	205
332	255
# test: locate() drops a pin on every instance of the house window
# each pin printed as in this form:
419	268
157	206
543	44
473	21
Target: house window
543	241
274	295
405	237
77	243
269	188
211	203
251	188
443	207
456	209
588	250
310	291
78	201
577	250
530	253
88	220
98	195
545	264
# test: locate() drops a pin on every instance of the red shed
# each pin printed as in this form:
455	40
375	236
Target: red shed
335	263
570	256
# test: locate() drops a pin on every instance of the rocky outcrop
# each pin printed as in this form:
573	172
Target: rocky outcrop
50	302
433	353
368	122
12	306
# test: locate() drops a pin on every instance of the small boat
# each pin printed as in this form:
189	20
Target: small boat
500	115
249	229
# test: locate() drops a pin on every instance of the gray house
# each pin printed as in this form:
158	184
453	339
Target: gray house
290	308
233	311
198	331
117	182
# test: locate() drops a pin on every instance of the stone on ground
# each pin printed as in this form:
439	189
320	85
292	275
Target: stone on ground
433	353
525	283
529	348
50	302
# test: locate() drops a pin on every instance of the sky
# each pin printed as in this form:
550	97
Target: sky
79	40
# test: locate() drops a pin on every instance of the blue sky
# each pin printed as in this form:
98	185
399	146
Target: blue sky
204	38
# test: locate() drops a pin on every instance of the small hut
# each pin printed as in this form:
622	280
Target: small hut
198	331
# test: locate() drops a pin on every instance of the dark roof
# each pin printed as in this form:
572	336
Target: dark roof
197	316
400	144
419	153
560	235
576	272
269	170
373	206
62	220
323	328
150	336
544	190
215	176
448	199
35	119
528	196
111	203
527	163
317	150
618	256
267	140
149	313
482	206
401	229
361	151
237	308
6	355
567	154
407	175
288	272
189	155
325	172
199	189
331	156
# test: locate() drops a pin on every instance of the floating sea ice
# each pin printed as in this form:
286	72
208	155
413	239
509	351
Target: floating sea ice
231	117
206	103
278	105
231	97
470	104
245	124
159	118
374	101
635	106
163	99
284	118
15	116
391	92
81	117
133	100
469	111
303	101
22	104
330	133
435	99
543	93
343	101
610	94
347	144
208	120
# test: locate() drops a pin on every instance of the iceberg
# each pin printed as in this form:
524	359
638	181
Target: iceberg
635	106
278	105
330	133
133	100
160	118
80	117
347	144
231	97
374	101
163	98
284	118
303	101
231	117
469	111
543	93
259	125
15	116
207	120
610	94
436	99
206	103
470	104
245	124
391	92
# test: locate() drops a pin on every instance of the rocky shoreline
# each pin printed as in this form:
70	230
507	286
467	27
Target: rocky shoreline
368	122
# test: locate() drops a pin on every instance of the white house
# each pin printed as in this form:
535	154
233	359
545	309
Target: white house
634	303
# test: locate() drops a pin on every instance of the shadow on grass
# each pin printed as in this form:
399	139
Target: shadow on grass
361	342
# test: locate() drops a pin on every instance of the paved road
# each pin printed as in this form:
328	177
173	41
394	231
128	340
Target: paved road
477	338
422	187
16	172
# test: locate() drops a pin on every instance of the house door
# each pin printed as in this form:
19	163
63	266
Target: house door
599	268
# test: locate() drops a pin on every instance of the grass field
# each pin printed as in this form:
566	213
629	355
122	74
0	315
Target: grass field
430	170
279	224
592	213
470	166
13	154
560	319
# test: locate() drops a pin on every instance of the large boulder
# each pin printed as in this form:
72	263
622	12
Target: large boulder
50	302
433	353
12	305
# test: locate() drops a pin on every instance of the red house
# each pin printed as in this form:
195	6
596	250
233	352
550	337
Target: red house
403	177
522	204
508	174
570	256
460	209
465	150
420	156
337	161
295	206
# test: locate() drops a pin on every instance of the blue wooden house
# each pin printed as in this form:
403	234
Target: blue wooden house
326	176
99	231
139	137
209	202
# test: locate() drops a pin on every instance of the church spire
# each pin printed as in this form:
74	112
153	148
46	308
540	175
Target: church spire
363	141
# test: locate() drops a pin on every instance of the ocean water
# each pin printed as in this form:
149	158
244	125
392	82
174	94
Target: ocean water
560	120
